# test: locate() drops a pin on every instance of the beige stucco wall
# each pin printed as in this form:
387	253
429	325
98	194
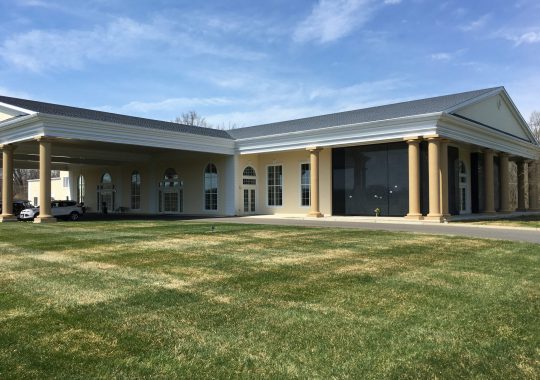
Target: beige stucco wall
189	166
290	162
495	113
58	191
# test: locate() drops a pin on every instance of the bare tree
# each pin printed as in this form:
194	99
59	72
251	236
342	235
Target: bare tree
20	181
534	124
192	118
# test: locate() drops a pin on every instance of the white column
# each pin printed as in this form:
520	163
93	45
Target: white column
232	185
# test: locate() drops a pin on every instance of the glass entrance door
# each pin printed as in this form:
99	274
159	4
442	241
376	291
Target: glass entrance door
249	201
369	178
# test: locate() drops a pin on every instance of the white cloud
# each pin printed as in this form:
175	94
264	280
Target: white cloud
520	36
527	38
447	56
331	20
39	50
441	56
476	24
268	100
392	1
171	104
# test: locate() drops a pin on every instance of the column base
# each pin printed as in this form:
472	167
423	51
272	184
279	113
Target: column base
315	214
521	210
414	216
505	211
7	218
45	219
489	212
434	218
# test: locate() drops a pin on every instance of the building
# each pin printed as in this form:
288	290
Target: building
60	188
423	159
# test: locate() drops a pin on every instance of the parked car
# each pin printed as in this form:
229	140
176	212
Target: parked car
18	206
59	209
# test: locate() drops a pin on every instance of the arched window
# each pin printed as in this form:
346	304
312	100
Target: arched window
210	187
249	180
106	178
170	179
171	192
135	190
106	194
249	176
80	189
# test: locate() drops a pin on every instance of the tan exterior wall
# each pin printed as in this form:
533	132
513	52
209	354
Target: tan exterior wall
290	161
58	191
189	166
495	113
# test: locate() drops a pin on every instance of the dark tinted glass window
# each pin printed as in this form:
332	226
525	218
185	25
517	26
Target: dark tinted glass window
367	178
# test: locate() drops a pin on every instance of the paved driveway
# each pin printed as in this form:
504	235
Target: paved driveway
504	233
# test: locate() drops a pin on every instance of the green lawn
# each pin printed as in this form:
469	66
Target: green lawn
171	299
520	221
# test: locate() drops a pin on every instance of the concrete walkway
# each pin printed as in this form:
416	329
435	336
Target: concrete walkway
530	235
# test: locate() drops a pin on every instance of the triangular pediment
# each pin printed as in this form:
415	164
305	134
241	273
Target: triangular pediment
496	111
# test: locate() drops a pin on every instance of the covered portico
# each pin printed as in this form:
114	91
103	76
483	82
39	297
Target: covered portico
168	162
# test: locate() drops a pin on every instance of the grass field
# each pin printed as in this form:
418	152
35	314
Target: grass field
520	221
172	299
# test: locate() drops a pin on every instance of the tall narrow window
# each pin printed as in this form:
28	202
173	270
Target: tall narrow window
80	189
135	190
275	185
210	187
305	184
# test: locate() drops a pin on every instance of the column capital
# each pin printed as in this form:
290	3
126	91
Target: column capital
44	139
412	139
504	154
314	148
434	137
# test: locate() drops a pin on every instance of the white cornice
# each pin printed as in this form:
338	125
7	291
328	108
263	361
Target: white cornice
31	126
16	109
455	128
362	133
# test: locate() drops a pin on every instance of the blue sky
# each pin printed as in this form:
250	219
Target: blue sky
250	62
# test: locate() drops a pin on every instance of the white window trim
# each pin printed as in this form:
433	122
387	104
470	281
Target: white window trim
205	210
282	184
131	190
300	183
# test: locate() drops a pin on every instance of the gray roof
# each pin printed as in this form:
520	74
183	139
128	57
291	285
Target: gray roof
385	112
390	111
83	113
